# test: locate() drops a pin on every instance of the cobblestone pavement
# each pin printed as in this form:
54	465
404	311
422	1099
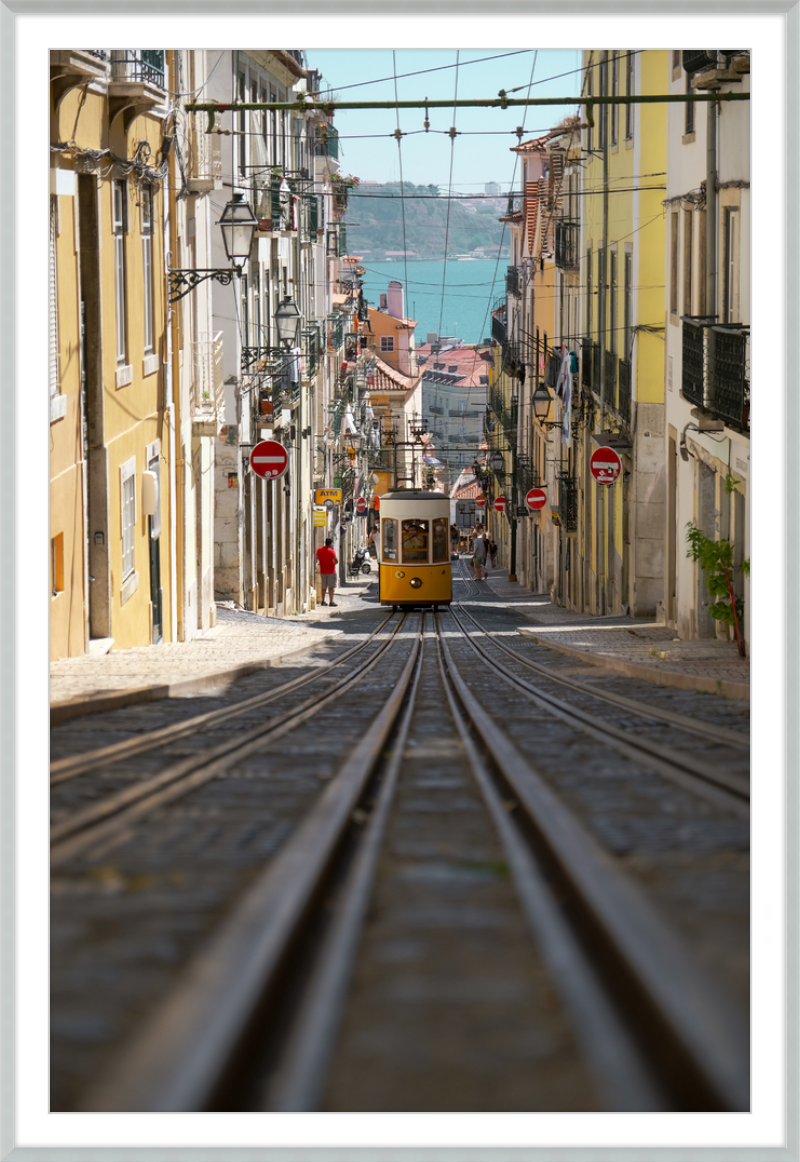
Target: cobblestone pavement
635	646
238	643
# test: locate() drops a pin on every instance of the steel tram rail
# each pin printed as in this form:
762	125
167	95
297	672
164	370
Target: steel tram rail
181	1058
114	813
79	764
704	729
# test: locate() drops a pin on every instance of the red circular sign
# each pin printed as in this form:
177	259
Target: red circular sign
500	504
536	498
605	465
269	459
480	502
361	504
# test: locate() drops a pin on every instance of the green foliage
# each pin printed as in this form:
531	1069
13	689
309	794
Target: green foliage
715	558
732	484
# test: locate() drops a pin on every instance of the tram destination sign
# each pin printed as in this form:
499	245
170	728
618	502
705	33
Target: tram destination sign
269	459
605	465
536	499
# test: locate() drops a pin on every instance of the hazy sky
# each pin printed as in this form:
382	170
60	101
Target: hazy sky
481	154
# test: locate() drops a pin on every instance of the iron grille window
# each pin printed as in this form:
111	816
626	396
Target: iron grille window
567	234
610	380
695	356
596	368
586	362
625	390
730	376
568	503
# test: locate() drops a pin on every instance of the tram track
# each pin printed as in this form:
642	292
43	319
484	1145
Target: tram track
115	813
722	787
648	1001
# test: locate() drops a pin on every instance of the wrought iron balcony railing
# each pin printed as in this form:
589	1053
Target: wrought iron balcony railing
512	281
144	67
567	241
716	369
610	380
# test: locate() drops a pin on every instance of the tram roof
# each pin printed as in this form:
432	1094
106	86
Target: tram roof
413	494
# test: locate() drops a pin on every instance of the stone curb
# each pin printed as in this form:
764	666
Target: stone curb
115	699
724	687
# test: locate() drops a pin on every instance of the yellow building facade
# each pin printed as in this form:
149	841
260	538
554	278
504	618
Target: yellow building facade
109	433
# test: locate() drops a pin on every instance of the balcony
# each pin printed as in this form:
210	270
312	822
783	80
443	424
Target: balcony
327	143
206	173
512	281
208	375
79	66
137	83
716	370
567	242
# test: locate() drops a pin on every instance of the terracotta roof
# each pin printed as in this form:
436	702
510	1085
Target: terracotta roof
535	145
387	379
468	491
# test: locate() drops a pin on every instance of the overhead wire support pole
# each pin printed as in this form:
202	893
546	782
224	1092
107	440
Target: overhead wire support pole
499	102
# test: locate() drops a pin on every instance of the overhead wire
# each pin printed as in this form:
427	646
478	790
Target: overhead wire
449	187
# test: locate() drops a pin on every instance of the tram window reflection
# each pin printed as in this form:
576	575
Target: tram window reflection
389	528
415	541
440	533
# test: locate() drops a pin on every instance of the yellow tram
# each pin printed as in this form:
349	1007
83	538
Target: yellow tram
414	555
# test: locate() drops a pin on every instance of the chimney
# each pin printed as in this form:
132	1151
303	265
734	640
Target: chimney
396	300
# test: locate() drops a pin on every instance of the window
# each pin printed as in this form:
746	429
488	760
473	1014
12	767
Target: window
689	106
687	262
119	226
602	111
441	550
416	534
147	267
57	563
128	506
387	342
389	529
673	281
730	301
589	304
612	316
242	125
614	93
273	116
627	305
630	85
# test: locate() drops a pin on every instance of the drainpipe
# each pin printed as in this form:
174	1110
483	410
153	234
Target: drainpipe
711	209
173	406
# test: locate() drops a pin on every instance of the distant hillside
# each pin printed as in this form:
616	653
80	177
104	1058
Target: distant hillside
375	221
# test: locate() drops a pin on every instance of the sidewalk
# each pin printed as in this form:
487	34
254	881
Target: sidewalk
635	647
238	644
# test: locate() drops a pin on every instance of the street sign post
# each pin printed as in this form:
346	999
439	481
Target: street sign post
605	465
536	499
500	504
269	459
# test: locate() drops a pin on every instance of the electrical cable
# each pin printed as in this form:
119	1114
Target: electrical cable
449	187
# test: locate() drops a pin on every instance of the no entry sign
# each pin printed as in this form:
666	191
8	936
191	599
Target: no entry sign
605	465
269	459
500	504
361	504
536	498
480	502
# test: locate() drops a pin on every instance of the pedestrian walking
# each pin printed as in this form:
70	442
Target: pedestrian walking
326	556
478	558
493	553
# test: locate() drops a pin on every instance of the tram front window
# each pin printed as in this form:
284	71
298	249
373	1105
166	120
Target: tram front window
415	541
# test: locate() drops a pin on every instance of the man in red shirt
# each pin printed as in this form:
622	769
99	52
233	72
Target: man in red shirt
327	567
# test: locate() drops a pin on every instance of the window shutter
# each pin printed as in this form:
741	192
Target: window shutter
53	302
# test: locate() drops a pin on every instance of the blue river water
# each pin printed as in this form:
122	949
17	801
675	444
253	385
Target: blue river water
471	290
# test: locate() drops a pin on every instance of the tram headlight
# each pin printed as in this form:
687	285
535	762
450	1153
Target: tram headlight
415	583
399	573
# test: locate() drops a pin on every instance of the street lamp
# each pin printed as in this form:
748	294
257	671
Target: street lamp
541	407
238	224
287	320
497	462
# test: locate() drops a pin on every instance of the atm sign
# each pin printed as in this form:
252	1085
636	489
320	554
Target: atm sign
323	494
